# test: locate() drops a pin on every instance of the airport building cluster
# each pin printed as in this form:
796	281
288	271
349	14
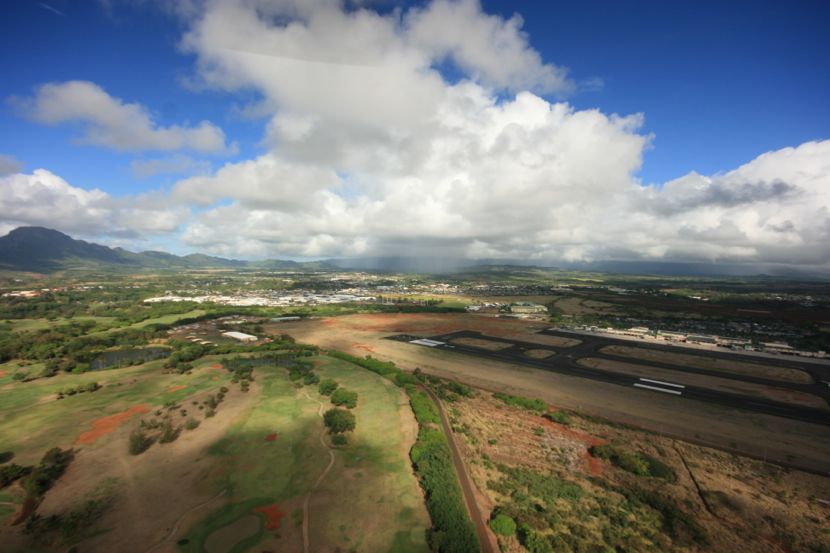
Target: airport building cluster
645	333
280	300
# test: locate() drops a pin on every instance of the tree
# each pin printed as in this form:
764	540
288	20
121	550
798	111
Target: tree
327	386
503	525
344	397
339	420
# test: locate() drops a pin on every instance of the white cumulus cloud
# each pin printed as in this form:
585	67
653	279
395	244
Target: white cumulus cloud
42	198
112	123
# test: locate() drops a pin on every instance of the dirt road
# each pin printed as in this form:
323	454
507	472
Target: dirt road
487	542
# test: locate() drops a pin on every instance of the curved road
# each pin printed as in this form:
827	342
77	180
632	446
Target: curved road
486	544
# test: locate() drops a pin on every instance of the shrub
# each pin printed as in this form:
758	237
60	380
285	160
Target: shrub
168	432
339	420
327	386
558	416
191	424
503	525
344	397
310	378
633	462
139	442
339	439
530	404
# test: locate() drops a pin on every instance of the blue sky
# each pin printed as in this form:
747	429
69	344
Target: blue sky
718	84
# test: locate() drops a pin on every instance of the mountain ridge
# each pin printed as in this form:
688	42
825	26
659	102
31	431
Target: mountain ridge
45	250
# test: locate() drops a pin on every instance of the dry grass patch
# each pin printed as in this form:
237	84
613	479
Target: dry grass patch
538	353
489	345
783	374
710	382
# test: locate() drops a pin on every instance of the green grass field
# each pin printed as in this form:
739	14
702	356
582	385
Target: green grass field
23	325
166	319
369	501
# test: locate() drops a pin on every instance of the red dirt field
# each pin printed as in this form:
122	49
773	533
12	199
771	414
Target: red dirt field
105	425
216	366
271	437
273	515
176	388
3	373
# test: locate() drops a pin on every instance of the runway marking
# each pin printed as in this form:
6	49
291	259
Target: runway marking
655	388
663	383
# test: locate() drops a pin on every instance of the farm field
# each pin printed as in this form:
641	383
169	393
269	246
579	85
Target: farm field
246	476
544	475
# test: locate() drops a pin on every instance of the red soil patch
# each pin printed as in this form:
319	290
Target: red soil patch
271	437
593	464
176	388
3	373
273	515
105	425
216	366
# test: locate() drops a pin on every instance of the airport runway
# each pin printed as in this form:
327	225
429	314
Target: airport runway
564	361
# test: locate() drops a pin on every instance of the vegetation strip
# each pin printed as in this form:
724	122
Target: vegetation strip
466	484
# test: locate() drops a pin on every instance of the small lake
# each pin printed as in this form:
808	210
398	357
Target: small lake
125	357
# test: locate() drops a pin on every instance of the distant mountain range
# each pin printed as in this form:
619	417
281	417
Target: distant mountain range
45	250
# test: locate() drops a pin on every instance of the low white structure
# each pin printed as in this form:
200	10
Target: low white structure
241	336
426	342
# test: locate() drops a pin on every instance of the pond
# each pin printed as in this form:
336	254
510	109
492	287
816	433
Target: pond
126	357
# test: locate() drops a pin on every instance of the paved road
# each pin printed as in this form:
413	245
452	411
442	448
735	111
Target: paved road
486	545
564	361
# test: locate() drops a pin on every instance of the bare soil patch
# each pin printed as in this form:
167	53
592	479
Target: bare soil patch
480	343
271	437
710	363
711	382
106	425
